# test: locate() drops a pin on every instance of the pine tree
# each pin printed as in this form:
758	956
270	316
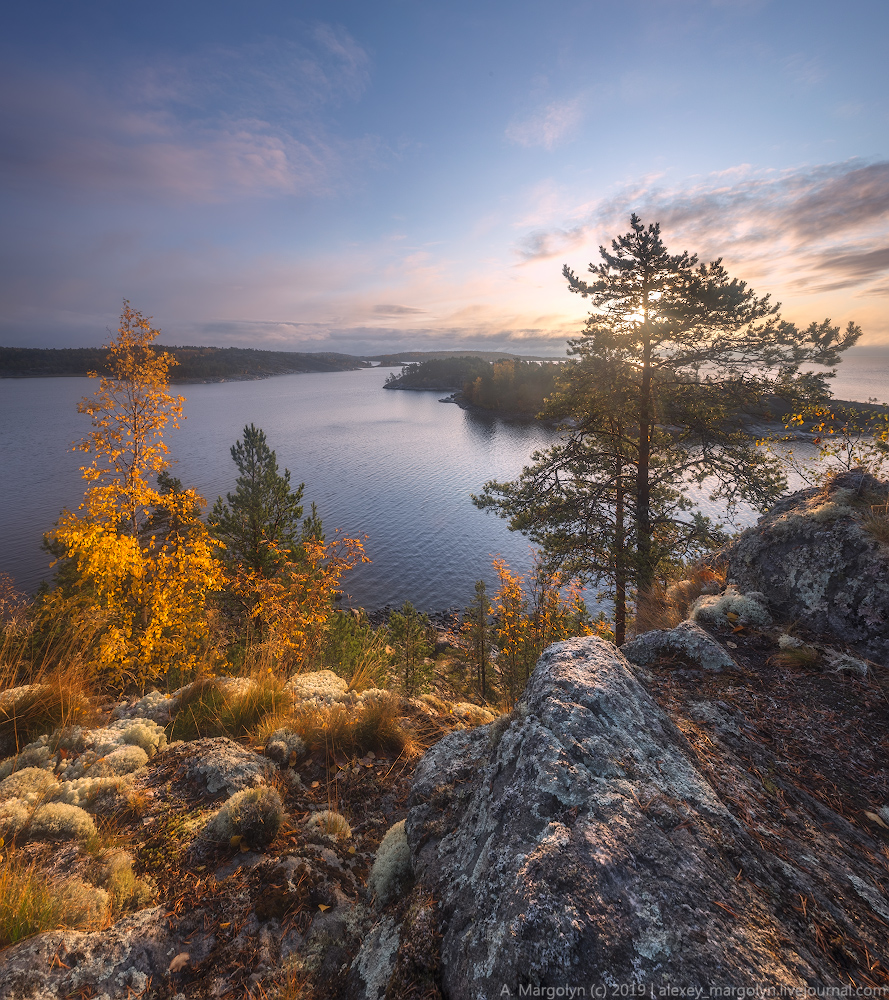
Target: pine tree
259	523
672	354
478	632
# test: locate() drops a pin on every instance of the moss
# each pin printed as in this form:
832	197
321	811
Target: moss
124	760
254	815
60	821
732	607
145	734
14	816
321	685
88	793
473	715
30	783
391	872
330	823
285	747
36	754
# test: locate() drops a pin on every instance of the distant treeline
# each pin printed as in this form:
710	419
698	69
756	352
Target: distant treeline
507	386
195	364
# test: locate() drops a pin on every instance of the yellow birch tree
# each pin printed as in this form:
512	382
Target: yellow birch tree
135	557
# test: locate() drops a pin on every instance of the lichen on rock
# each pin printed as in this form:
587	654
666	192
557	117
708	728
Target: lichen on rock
819	566
687	641
732	607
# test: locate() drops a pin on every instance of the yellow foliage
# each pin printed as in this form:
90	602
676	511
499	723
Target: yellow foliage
294	606
527	624
140	558
130	410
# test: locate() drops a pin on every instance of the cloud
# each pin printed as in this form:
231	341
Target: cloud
548	127
213	127
828	224
393	310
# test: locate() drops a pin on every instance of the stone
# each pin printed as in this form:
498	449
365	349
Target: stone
111	962
687	640
584	846
818	566
211	768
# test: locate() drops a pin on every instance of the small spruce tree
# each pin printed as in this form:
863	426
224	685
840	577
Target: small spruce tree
259	522
409	634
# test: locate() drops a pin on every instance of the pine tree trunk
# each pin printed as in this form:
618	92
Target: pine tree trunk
620	568
645	573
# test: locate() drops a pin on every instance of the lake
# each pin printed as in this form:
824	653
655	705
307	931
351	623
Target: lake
397	466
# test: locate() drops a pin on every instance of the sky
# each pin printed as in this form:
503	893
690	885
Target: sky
413	174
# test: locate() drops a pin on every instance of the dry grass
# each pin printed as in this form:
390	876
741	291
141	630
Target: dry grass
207	709
52	700
31	903
332	823
665	606
341	729
370	662
802	656
876	523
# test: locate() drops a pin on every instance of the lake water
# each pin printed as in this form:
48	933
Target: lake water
396	466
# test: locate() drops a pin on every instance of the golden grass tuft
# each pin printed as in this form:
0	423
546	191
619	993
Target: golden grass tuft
332	823
57	699
343	729
206	708
801	656
876	523
32	903
664	606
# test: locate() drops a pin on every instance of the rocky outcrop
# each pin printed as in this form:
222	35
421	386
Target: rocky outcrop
813	558
687	642
579	844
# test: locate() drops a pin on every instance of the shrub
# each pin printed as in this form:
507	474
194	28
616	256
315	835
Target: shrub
391	872
331	824
33	903
254	815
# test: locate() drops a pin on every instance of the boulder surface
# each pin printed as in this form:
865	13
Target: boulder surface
813	558
579	845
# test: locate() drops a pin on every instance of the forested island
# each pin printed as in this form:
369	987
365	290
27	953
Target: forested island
507	386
